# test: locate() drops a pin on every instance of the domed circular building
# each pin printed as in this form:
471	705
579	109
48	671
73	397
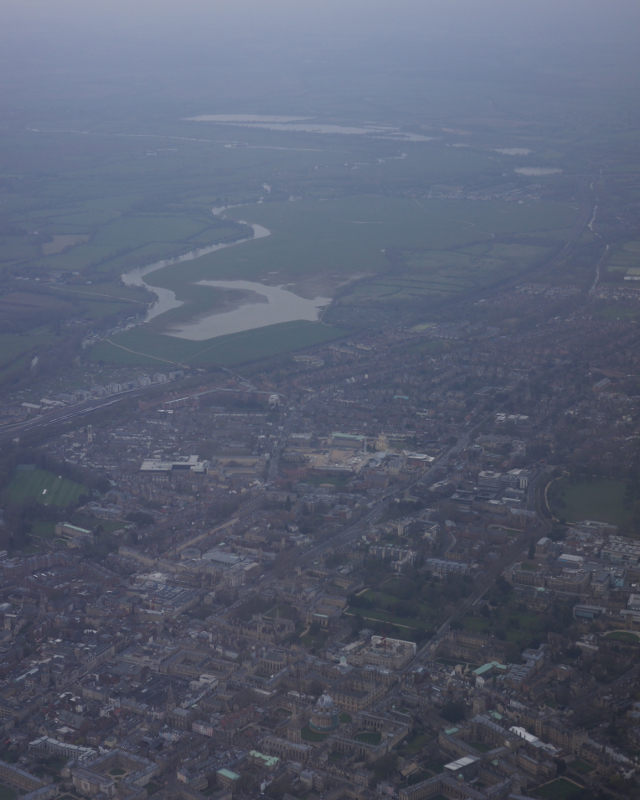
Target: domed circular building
325	715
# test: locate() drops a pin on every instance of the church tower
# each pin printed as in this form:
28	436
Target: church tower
293	727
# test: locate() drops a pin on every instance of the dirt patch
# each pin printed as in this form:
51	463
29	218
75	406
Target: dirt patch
323	285
61	242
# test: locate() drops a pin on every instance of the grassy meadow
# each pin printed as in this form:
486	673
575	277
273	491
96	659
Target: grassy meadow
140	346
143	193
45	487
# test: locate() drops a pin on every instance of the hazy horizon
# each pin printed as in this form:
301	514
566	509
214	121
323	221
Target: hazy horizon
258	57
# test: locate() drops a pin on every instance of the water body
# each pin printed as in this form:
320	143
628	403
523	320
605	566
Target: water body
166	297
267	305
513	151
538	171
245	118
290	124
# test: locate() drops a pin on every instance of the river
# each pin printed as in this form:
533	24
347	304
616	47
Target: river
167	298
265	305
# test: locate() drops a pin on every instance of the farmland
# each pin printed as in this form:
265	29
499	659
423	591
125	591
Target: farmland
45	487
363	226
120	200
446	245
350	236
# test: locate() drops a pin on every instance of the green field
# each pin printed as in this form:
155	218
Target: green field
18	350
7	793
312	736
43	529
448	245
476	624
599	499
385	616
368	737
387	608
146	193
140	346
510	624
416	744
481	747
624	313
47	489
561	789
130	170
340	238
623	636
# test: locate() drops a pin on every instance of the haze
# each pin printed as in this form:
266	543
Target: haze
298	57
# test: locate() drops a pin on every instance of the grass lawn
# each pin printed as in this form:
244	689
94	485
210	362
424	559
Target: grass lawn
281	610
417	743
560	789
44	529
619	312
623	636
380	597
481	747
392	585
344	717
339	481
47	488
318	642
476	624
599	499
517	637
385	616
86	521
312	736
368	737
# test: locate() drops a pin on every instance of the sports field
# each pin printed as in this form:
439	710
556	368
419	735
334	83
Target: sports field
624	636
600	499
45	487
